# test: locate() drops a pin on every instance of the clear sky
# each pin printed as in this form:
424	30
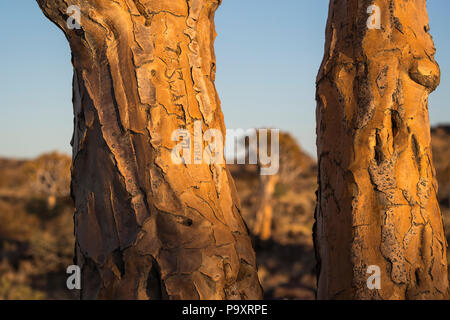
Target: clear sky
268	54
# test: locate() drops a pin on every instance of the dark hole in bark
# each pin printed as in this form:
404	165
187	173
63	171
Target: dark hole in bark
396	122
415	150
379	157
179	219
155	287
417	274
117	257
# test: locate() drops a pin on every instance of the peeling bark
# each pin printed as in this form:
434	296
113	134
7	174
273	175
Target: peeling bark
147	228
377	197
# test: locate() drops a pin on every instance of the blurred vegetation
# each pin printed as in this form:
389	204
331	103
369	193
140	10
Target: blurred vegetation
36	228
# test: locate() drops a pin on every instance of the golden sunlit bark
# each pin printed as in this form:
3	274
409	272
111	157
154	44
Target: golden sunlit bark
377	197
147	228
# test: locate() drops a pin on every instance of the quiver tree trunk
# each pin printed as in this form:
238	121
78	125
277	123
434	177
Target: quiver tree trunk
377	197
147	228
264	214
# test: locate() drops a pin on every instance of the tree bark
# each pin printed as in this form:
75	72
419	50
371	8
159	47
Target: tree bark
147	228
377	196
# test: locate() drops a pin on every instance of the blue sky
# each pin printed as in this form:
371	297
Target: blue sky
268	53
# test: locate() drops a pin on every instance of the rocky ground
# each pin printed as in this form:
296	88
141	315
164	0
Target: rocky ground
36	226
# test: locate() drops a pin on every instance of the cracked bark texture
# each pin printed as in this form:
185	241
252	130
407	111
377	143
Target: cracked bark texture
145	227
377	197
